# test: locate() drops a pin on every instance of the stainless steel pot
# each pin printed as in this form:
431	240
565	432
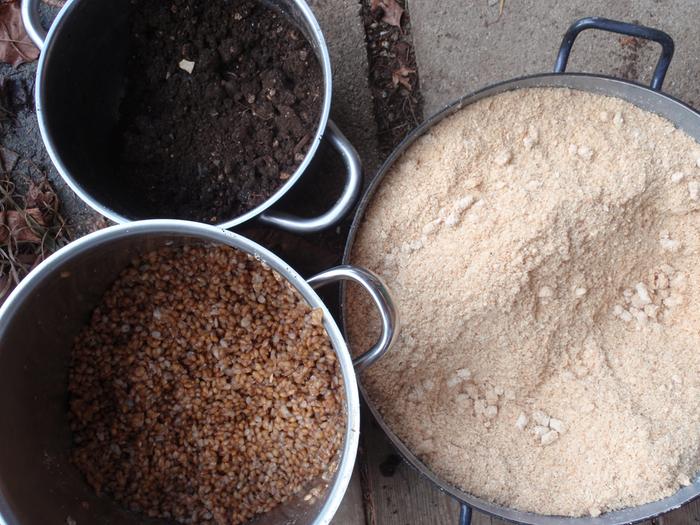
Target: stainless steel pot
650	99
79	85
38	323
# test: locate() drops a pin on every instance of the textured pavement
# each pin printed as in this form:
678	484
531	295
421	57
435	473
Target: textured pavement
463	46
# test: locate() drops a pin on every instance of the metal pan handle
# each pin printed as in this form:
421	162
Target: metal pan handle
623	28
382	300
32	23
465	514
347	199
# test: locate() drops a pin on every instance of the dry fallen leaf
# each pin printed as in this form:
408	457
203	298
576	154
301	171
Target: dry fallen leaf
20	226
392	11
97	223
15	46
400	76
30	229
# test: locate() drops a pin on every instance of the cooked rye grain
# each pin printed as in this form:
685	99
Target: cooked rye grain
543	246
205	389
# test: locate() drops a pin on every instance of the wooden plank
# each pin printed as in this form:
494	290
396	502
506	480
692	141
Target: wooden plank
687	515
482	519
351	510
395	493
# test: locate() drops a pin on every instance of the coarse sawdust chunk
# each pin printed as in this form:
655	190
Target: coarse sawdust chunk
568	288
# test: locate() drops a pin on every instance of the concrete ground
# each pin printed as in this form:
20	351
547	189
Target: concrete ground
463	46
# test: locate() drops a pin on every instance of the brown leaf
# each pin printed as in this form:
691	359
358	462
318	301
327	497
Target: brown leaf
19	226
40	195
15	46
97	223
392	13
400	76
391	9
8	159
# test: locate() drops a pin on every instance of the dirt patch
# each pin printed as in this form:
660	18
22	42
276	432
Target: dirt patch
31	228
393	75
223	98
630	50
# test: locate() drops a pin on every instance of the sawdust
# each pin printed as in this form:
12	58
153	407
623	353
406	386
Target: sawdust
543	247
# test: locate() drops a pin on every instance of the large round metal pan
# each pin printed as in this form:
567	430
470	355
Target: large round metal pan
647	98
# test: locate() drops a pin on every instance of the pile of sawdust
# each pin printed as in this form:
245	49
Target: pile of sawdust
543	247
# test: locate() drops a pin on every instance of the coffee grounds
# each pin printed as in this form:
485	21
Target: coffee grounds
223	99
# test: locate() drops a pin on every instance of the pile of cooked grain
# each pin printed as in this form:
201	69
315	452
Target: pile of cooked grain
543	248
204	389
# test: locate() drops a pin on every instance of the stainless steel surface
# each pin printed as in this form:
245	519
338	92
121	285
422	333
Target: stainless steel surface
347	199
685	118
377	290
38	323
32	23
80	83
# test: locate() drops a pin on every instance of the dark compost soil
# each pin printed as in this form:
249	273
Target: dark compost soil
212	144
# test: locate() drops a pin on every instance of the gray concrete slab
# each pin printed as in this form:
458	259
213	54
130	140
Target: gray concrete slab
463	45
352	101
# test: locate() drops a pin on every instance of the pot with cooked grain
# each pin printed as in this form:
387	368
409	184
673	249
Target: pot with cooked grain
553	351
170	370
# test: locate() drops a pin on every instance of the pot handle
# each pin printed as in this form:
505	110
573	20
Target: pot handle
623	28
347	199
382	300
465	514
32	22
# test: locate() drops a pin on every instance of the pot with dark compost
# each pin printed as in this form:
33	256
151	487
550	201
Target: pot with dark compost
206	111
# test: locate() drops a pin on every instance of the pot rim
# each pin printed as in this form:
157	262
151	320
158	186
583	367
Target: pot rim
619	517
323	56
49	266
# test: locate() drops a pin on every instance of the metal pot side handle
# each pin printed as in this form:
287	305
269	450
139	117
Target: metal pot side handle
465	514
382	300
32	22
623	28
346	201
